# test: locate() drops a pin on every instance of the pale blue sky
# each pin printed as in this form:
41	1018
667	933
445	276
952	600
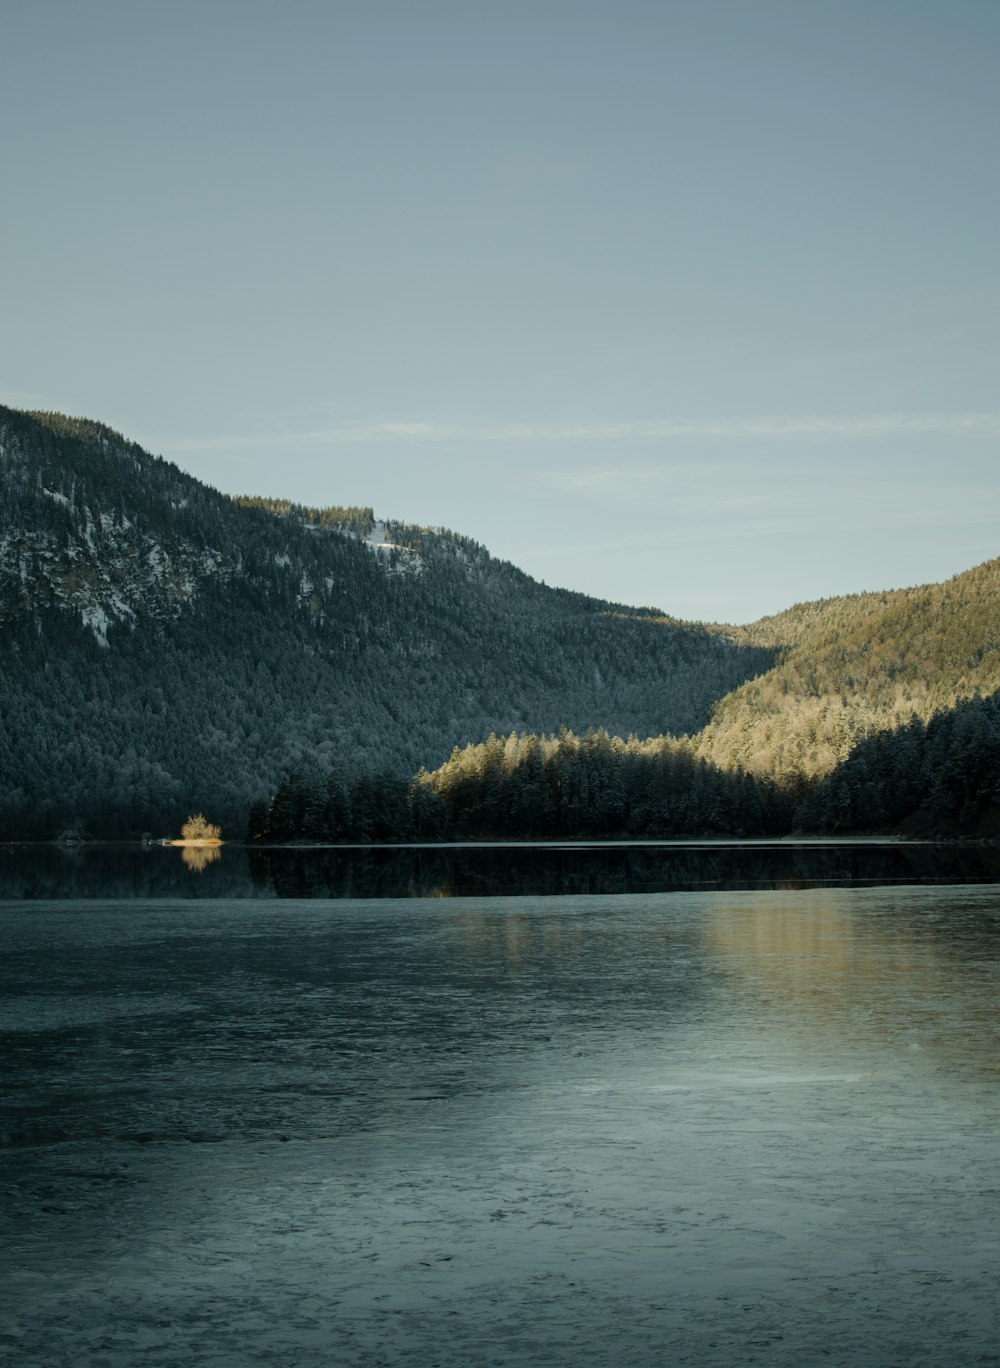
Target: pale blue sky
691	304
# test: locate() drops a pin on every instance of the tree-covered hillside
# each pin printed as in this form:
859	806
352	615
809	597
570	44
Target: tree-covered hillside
850	667
940	778
529	787
168	649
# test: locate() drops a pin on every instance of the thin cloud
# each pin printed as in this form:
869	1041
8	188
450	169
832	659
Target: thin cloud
739	528
403	433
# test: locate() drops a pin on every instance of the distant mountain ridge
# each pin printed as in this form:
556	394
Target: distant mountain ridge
167	647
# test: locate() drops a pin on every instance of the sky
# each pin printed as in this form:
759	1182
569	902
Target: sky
685	303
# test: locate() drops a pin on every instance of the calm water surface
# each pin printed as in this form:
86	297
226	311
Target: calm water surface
705	1127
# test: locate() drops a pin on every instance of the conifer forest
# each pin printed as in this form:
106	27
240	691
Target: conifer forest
318	675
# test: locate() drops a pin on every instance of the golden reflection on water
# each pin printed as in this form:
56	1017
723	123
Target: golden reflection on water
198	858
647	940
513	938
856	970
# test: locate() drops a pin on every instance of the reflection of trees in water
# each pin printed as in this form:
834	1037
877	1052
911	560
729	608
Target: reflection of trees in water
198	858
116	871
867	967
474	871
495	871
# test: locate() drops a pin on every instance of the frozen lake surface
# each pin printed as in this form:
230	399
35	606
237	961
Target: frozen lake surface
702	1127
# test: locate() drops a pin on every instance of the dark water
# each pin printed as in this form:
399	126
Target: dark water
518	869
709	1126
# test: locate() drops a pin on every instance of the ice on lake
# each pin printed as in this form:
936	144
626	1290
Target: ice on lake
706	1128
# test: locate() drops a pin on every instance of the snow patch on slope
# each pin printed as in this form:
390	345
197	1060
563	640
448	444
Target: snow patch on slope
396	559
98	621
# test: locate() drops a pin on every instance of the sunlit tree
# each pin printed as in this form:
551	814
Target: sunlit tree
199	828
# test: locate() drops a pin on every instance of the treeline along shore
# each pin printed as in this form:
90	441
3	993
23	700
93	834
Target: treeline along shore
935	778
167	649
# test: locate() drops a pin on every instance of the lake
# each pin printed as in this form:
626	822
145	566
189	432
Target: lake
689	1104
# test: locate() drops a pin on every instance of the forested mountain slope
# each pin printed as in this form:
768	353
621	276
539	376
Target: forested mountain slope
935	778
853	666
166	648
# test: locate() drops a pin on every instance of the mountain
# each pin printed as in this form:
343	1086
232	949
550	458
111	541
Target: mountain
850	667
167	648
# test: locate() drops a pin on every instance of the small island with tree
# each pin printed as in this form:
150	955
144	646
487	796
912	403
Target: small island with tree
199	831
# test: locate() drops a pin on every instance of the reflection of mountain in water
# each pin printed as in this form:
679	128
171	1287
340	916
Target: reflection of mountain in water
476	871
496	871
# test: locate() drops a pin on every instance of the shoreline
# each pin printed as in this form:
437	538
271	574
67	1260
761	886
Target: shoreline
559	843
